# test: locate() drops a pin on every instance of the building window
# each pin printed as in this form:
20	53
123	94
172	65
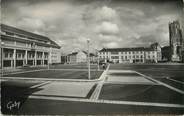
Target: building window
9	33
114	52
122	57
114	57
6	55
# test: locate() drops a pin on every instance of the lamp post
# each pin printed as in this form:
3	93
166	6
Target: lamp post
98	60
89	75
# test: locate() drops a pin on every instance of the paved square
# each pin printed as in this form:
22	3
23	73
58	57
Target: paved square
69	89
140	93
126	77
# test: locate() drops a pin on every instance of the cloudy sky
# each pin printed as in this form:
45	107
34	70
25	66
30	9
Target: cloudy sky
107	23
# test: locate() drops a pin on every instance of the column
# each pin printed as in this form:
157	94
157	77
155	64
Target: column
11	63
49	56
14	58
25	57
2	57
43	56
35	58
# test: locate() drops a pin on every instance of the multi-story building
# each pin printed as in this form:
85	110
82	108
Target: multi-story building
80	57
131	55
20	48
77	57
176	41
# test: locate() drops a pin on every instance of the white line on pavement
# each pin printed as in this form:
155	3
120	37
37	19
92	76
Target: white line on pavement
139	83
109	101
48	79
96	93
175	80
41	84
25	71
161	83
48	69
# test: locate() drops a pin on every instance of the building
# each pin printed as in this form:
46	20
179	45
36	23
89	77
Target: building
77	57
131	55
21	48
80	57
176	41
166	54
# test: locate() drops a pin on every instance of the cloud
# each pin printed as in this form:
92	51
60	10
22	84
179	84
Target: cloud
31	23
70	22
107	28
111	45
106	13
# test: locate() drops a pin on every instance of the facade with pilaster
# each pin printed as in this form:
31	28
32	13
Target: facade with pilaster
131	55
21	48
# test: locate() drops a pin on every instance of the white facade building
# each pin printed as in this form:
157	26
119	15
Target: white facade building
20	48
131	55
77	57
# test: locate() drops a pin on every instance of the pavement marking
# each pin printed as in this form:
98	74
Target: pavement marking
161	83
139	83
25	71
75	69
49	79
96	93
109	101
175	80
41	84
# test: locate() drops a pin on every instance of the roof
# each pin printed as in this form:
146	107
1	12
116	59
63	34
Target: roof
30	35
75	53
126	49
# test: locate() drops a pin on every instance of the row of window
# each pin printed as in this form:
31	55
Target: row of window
20	55
21	44
130	57
129	52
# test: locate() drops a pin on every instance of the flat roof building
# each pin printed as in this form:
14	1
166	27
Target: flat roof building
20	48
131	55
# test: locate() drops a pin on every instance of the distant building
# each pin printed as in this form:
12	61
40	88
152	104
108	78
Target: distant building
80	57
76	57
132	55
166	54
176	41
20	48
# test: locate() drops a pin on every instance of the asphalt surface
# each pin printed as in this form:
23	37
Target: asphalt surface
157	71
19	91
55	107
141	93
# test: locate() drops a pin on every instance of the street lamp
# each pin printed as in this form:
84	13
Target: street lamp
98	59
89	75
